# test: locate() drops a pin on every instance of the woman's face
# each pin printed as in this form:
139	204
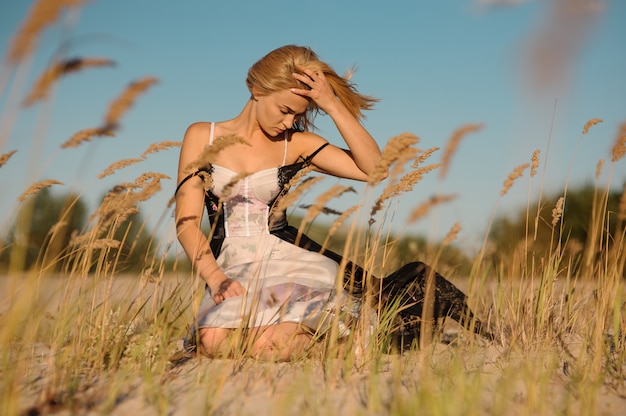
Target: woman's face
277	111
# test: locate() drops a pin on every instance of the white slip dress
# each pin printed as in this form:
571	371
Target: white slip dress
283	282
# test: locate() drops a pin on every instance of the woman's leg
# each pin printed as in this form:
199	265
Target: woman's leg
215	342
280	342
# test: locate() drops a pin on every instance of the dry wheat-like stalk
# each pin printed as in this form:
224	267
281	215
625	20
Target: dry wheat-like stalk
228	188
57	226
619	148
5	157
599	168
122	103
38	186
104	243
157	147
320	202
590	124
405	184
453	144
534	163
341	219
150	178
120	164
291	197
425	155
81	240
395	148
557	212
86	135
41	14
57	70
452	234
424	208
517	172
209	153
621	214
121	201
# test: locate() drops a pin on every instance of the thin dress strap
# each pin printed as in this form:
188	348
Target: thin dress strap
286	141
312	155
212	132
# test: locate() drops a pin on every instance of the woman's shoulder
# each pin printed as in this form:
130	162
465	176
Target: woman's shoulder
199	127
198	133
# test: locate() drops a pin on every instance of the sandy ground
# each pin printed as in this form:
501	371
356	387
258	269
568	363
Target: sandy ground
196	385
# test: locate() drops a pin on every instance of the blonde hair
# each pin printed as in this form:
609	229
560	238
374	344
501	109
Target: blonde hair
274	72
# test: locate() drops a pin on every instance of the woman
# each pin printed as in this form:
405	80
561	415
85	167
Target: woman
259	276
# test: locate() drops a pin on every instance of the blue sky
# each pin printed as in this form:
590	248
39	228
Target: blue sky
435	65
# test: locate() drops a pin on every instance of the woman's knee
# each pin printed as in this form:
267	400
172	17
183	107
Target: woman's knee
214	341
281	342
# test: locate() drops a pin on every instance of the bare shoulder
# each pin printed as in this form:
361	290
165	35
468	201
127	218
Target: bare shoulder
198	130
197	137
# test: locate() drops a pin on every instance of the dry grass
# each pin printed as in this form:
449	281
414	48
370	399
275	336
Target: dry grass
157	147
56	71
127	98
452	145
91	340
43	13
619	148
517	173
86	135
120	164
36	187
4	158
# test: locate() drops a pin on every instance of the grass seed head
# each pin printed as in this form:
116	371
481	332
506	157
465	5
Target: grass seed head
395	148
452	234
517	172
5	157
210	152
534	163
320	202
590	124
406	184
57	70
41	15
557	212
157	147
424	208
86	135
36	187
453	144
122	103
120	164
619	148
599	168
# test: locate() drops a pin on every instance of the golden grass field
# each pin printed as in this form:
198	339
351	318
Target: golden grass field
79	335
522	373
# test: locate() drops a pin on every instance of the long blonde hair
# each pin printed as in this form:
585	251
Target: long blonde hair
274	71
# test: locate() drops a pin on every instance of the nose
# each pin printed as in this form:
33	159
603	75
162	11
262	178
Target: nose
288	121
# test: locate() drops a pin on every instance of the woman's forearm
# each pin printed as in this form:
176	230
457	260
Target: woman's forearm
198	250
363	147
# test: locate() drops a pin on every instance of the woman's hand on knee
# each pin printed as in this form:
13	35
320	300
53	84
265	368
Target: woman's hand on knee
223	287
